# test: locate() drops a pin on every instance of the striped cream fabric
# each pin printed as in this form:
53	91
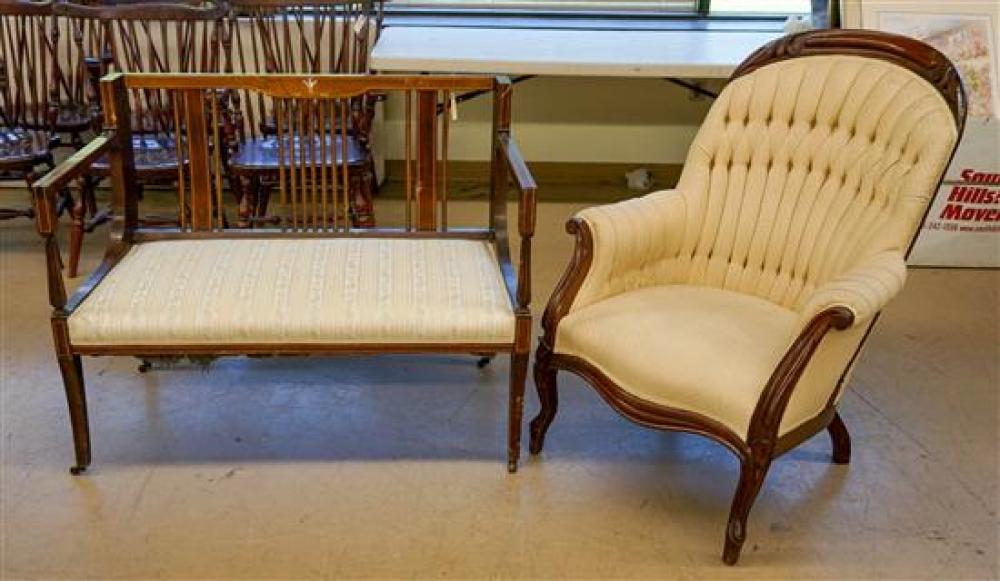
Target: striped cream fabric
332	291
801	191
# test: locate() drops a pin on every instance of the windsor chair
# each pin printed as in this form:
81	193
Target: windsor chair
740	300
177	37
309	283
312	37
30	82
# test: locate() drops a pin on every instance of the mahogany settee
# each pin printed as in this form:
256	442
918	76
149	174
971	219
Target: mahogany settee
310	284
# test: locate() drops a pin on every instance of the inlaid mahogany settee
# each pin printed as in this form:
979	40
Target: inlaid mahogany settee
735	305
311	284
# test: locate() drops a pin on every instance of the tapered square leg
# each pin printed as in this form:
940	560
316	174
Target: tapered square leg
518	377
72	373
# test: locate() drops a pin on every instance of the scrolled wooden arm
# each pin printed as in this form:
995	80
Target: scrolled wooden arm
766	420
571	281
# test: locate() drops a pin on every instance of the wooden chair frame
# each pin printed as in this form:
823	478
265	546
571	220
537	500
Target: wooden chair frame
763	445
426	193
30	78
295	37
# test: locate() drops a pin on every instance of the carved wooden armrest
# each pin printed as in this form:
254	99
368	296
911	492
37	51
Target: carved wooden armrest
762	436
850	299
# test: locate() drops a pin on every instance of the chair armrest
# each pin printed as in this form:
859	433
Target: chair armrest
619	247
864	289
631	241
45	188
44	191
526	215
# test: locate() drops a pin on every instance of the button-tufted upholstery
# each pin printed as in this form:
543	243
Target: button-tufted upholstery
321	291
801	191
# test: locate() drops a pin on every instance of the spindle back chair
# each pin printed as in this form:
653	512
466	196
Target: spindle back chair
456	288
28	70
154	37
289	37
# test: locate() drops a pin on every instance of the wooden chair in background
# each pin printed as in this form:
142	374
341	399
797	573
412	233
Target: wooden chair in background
267	37
30	79
179	37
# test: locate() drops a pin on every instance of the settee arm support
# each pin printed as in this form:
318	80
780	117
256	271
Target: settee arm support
44	192
526	214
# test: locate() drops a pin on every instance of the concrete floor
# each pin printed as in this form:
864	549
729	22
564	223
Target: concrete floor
392	467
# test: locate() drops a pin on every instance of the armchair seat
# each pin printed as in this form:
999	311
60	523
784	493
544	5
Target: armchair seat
700	349
292	291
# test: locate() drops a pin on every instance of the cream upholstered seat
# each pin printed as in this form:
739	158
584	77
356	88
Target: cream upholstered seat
707	308
662	343
356	290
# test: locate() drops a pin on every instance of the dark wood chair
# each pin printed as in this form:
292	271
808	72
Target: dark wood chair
30	79
734	306
430	285
285	36
178	37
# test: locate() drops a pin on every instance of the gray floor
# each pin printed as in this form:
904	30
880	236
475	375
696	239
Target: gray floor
392	467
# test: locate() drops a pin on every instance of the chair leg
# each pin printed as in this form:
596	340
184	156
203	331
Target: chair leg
752	473
78	214
840	439
548	396
518	377
72	373
484	359
364	215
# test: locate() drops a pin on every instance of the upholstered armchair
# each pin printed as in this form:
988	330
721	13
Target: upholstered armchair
735	305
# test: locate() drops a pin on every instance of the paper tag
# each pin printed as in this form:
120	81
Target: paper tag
454	108
360	24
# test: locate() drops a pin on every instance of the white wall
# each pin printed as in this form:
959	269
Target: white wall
578	120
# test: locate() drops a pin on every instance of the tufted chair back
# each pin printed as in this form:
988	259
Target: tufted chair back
806	166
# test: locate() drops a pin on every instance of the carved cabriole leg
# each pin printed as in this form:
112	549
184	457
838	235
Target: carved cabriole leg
753	469
518	378
72	373
840	439
548	396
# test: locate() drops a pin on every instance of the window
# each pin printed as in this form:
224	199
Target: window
711	7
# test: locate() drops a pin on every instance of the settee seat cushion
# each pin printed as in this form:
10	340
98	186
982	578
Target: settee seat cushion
305	290
692	348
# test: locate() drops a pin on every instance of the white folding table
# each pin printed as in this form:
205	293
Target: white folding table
699	54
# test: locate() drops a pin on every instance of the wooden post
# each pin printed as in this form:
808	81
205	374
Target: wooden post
426	160
125	202
197	146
